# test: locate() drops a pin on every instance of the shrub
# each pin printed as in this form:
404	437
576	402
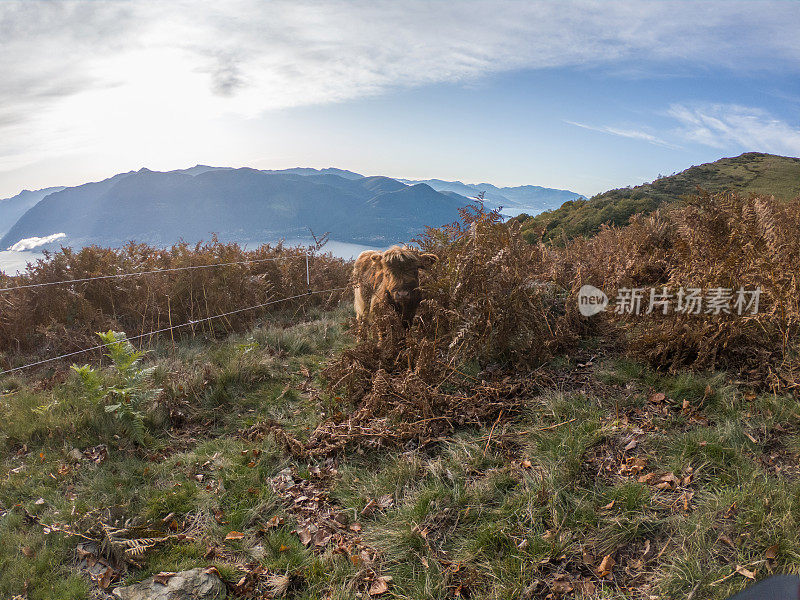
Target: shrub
126	392
713	241
486	322
56	319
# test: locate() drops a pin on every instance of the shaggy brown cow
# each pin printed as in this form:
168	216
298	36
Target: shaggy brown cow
391	279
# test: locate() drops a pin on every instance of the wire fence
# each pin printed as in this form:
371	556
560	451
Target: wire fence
137	273
189	323
170	328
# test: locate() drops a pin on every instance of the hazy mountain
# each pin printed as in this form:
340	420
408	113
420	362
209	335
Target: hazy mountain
748	173
530	199
243	205
308	171
11	209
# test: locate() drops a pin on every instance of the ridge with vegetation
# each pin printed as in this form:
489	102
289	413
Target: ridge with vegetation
749	173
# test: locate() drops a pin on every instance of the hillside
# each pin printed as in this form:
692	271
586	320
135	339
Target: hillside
528	199
11	209
501	447
242	205
752	172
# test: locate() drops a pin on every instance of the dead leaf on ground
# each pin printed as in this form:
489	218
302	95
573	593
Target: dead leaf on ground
561	585
380	586
234	535
745	572
305	536
163	577
657	398
771	552
369	508
606	566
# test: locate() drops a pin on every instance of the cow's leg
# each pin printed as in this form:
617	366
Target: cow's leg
358	302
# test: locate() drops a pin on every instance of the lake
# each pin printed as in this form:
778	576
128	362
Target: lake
14	262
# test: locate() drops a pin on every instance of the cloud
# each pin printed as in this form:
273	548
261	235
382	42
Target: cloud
729	125
627	133
34	242
150	74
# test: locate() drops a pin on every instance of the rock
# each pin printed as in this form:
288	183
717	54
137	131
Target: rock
195	584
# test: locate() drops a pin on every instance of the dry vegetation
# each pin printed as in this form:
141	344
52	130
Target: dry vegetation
503	447
726	241
63	318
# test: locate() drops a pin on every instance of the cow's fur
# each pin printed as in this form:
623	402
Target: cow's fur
389	279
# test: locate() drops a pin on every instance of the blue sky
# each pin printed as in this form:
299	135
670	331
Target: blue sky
584	96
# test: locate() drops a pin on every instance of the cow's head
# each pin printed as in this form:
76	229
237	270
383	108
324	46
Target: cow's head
400	267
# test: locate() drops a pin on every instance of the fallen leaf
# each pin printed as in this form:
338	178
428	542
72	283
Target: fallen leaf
369	508
305	536
657	398
561	585
527	464
27	551
609	506
379	586
772	552
631	445
234	535
586	587
163	577
606	565
746	572
104	581
274	521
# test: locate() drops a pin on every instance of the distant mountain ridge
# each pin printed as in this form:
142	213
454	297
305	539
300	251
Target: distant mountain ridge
11	209
245	205
751	172
529	199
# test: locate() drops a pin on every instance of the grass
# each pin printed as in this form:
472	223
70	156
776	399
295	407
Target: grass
529	507
749	173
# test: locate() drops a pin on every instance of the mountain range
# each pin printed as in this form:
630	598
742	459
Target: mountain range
250	206
528	199
11	209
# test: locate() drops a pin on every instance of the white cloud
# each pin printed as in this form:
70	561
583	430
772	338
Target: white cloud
729	125
34	242
81	76
627	133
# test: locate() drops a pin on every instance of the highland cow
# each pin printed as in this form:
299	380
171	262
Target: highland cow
389	279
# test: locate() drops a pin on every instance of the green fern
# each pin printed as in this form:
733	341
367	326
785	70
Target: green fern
128	392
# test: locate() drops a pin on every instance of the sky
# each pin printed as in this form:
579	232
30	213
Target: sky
585	96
